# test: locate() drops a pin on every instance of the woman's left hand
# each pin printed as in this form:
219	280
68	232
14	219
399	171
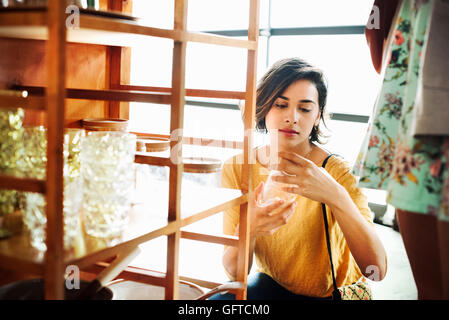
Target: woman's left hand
309	180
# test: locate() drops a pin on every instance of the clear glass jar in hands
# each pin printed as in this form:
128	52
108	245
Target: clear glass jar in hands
271	207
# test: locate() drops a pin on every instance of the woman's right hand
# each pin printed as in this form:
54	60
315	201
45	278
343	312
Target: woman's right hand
265	219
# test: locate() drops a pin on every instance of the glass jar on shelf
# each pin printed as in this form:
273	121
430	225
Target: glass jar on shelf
33	165
11	132
107	159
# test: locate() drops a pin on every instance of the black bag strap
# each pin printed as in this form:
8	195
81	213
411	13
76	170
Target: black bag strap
336	293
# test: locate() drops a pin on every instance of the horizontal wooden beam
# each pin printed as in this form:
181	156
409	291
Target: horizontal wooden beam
132	274
23	184
204	93
211	211
143	158
225	240
205	142
220	40
142	275
106	95
124	26
18	100
108	252
14	264
106	31
200	282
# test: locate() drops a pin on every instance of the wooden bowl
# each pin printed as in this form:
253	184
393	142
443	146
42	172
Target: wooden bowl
201	165
153	144
105	124
131	290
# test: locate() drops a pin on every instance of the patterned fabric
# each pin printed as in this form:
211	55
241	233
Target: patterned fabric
414	171
357	291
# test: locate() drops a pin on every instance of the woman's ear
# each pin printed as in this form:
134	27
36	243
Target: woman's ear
317	121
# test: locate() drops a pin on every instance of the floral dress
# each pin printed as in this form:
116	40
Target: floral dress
414	171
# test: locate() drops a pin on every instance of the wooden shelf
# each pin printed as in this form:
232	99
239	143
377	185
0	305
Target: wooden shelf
190	164
23	184
225	240
91	94
203	93
164	207
161	95
147	220
105	31
16	253
196	141
13	99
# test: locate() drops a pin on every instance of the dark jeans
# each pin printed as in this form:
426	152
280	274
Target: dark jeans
263	287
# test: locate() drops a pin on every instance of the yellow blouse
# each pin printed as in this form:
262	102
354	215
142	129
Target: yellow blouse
296	255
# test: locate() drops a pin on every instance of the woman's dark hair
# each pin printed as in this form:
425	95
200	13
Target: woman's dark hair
278	78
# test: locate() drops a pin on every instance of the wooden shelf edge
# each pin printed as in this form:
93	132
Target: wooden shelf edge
195	141
23	184
203	93
208	166
209	212
10	101
200	282
106	31
220	40
16	264
131	273
105	95
108	252
144	158
225	240
156	278
19	19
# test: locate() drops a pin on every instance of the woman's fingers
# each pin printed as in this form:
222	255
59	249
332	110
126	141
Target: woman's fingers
258	191
267	208
286	179
272	222
295	158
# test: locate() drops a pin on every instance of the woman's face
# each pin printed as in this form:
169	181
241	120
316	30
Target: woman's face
293	115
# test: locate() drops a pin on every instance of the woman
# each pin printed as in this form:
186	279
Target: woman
406	149
290	246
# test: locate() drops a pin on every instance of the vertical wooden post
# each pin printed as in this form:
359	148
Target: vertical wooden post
176	167
249	158
113	78
118	63
56	79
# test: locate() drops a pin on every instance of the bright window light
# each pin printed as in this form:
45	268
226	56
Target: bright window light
307	13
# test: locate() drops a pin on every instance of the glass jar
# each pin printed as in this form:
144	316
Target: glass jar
11	132
33	165
73	185
107	161
273	190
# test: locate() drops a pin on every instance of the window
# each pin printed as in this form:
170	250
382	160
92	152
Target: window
327	33
285	27
306	13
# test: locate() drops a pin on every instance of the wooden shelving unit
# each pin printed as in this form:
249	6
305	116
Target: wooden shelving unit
59	97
